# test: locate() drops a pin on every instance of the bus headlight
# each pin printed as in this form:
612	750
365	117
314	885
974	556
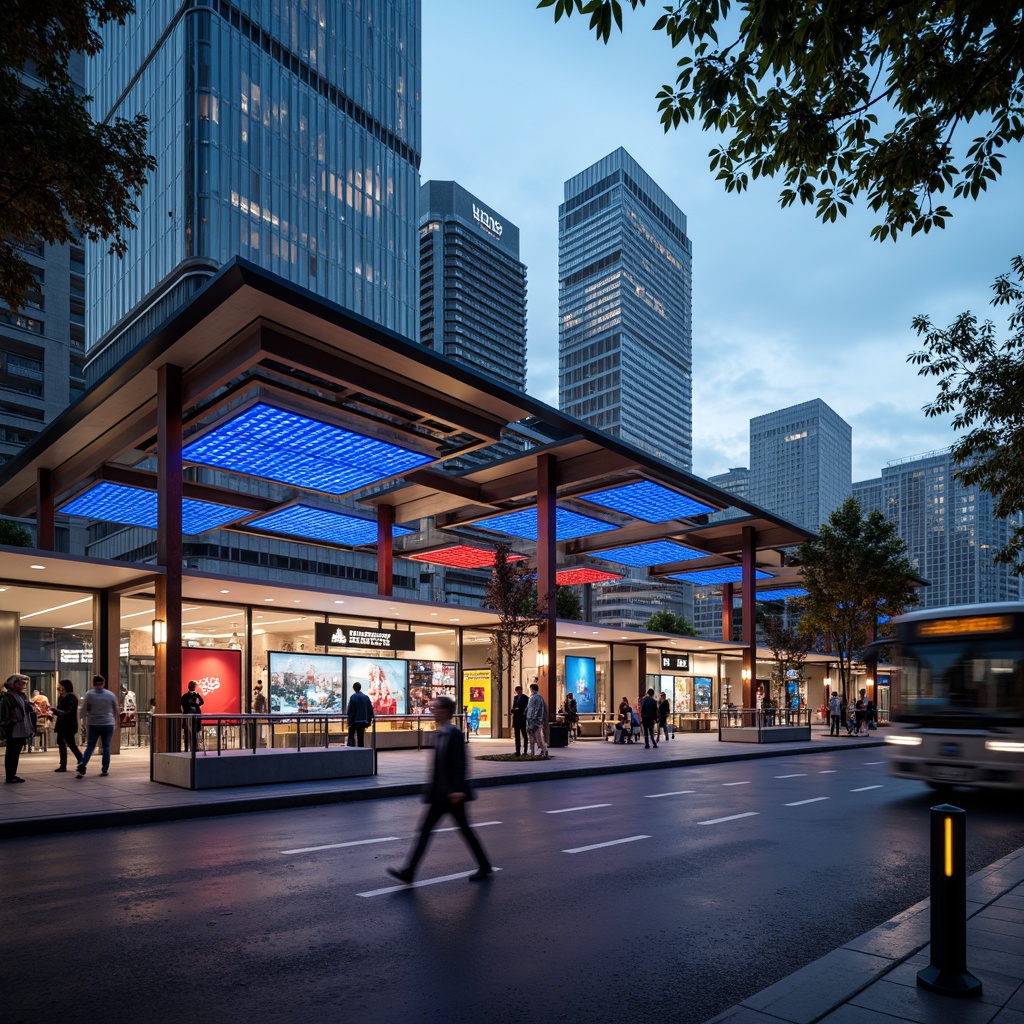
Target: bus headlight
904	741
1005	746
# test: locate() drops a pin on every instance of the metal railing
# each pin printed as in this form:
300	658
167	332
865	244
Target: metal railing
764	719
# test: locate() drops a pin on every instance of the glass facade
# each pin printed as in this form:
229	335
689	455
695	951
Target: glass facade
624	270
286	132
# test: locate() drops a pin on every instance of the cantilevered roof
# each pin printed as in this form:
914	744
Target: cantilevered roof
279	384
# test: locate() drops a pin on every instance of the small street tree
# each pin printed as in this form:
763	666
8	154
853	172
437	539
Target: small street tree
668	622
512	593
789	648
855	571
14	534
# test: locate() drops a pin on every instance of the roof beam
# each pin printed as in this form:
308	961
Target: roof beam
145	480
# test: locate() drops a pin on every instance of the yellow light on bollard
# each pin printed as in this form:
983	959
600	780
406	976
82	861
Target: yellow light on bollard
949	847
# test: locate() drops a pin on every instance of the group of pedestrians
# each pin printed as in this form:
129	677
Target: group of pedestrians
856	719
649	718
529	720
18	717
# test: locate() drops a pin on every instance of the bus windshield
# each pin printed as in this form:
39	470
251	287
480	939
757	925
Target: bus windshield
960	678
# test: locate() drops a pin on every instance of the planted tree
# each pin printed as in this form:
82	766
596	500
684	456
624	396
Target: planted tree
14	534
789	647
856	571
668	622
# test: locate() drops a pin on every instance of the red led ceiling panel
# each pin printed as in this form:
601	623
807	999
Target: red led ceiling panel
572	577
462	556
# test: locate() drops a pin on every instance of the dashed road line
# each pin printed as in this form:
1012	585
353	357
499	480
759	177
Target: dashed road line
475	824
418	885
735	783
678	792
599	846
585	807
813	800
864	789
338	846
798	775
731	817
829	771
874	762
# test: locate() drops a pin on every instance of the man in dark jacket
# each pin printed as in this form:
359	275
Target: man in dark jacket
519	702
448	791
649	719
360	715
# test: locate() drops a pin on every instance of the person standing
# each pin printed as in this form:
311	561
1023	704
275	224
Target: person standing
448	791
18	716
360	715
860	712
191	703
99	706
518	715
649	718
536	720
664	709
572	714
835	708
66	728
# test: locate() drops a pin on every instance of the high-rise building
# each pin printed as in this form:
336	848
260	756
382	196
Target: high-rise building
472	284
950	531
869	495
42	346
801	462
735	481
624	272
286	133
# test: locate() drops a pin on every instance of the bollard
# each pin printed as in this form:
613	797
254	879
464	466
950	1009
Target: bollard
947	972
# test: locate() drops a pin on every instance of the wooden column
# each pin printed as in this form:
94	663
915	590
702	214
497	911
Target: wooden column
385	550
547	641
169	541
749	616
45	531
727	596
107	649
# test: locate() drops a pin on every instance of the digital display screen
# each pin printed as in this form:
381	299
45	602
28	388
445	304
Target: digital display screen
306	682
429	679
383	680
975	624
580	681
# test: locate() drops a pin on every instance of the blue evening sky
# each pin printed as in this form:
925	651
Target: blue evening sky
785	309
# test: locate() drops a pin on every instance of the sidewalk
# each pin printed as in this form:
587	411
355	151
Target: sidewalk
51	803
873	979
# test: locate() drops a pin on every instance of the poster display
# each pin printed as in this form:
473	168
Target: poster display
581	681
219	675
429	679
383	681
702	693
306	682
476	699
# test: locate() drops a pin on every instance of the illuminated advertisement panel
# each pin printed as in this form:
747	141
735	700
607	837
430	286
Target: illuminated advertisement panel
219	675
428	679
581	681
383	680
306	682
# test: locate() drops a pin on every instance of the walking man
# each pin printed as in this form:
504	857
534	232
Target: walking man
448	792
649	719
835	707
99	706
518	712
360	715
536	719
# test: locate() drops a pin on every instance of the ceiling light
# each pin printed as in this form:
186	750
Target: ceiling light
37	566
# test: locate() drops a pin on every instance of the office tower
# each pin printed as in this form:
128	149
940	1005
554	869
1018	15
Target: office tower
800	462
624	269
869	495
286	133
950	531
472	285
42	346
735	481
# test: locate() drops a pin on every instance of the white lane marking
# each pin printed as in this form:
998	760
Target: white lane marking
735	783
585	807
475	824
678	792
864	789
599	846
420	884
338	846
829	771
813	800
798	775
874	762
732	817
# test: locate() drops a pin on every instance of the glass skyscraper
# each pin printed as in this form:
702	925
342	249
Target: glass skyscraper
624	272
285	132
472	284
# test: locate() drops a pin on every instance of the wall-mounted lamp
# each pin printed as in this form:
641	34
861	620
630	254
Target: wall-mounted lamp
159	632
828	682
542	659
745	675
869	681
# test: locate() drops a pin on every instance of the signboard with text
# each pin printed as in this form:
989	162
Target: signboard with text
329	635
671	662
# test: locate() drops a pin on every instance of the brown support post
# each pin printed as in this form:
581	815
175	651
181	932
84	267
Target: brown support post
727	596
385	550
45	531
641	670
547	641
107	649
168	541
749	617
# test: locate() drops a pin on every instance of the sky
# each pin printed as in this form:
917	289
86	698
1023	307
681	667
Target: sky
785	308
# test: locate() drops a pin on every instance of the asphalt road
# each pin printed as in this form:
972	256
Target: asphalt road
669	894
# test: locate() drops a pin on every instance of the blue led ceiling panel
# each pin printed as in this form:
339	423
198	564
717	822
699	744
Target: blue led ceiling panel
319	524
657	552
132	506
648	501
707	577
568	525
267	442
780	595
